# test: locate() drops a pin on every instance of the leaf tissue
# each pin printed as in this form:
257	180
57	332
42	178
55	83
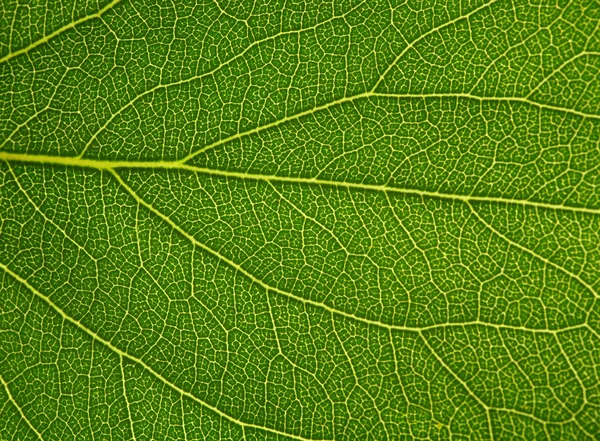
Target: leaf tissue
300	220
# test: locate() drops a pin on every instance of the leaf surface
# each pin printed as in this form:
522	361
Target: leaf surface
308	220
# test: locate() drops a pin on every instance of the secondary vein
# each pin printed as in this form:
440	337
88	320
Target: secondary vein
14	403
138	361
64	28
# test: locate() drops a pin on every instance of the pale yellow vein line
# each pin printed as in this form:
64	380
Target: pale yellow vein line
242	53
559	68
140	362
341	101
313	220
487	407
37	113
121	362
464	384
233	264
276	123
322	305
491	99
357	382
580	382
176	165
294	365
12	400
198	76
425	35
49	220
386	188
216	410
542	259
57	32
367	95
183	423
409	403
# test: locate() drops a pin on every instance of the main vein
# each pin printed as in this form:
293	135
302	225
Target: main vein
99	164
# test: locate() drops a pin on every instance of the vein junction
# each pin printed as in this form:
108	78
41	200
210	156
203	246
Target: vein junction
181	165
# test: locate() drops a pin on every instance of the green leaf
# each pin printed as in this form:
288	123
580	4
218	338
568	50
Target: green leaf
300	220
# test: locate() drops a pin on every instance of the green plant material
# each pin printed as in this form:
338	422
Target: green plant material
300	220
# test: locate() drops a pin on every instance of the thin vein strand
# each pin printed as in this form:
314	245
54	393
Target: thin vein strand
542	259
59	31
268	288
14	403
372	94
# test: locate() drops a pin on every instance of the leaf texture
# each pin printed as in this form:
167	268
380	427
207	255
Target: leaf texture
300	220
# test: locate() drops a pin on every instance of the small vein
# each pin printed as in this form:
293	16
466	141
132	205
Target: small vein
426	34
368	95
58	32
292	363
12	400
275	124
51	221
230	262
485	406
542	259
199	76
315	221
121	363
464	384
357	383
568	61
506	99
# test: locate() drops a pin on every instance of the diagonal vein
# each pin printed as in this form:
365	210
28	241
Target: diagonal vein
14	403
59	31
462	382
425	35
542	259
128	406
335	311
488	408
268	288
235	265
206	74
258	42
139	361
372	94
95	336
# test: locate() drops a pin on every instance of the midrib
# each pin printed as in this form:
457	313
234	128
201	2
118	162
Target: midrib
181	165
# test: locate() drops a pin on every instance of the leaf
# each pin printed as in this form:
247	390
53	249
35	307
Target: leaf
296	220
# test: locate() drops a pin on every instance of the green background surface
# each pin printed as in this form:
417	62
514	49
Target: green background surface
300	220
